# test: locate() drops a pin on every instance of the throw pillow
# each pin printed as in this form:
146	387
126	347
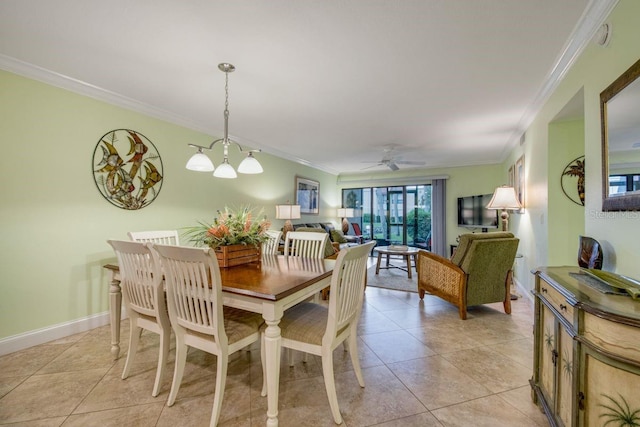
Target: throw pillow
338	236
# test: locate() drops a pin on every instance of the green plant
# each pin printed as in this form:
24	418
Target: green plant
620	414
230	228
567	365
424	223
548	338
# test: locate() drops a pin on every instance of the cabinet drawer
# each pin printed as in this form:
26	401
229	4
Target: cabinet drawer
555	298
612	337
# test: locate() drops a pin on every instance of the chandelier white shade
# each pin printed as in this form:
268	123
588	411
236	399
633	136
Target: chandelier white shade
225	170
250	165
199	162
504	198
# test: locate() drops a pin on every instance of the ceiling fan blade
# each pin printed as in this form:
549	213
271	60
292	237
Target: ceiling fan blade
408	162
393	166
372	166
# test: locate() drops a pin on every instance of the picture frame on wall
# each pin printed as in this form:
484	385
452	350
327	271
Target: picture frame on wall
512	174
307	195
519	183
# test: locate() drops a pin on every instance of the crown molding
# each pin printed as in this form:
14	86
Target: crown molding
596	12
80	87
593	16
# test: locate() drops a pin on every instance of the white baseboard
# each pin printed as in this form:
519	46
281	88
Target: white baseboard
522	292
50	333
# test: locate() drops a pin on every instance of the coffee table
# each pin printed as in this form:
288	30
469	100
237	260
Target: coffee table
406	252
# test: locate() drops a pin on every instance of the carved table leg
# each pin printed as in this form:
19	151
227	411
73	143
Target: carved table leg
115	304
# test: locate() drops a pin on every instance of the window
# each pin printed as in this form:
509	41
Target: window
392	215
620	184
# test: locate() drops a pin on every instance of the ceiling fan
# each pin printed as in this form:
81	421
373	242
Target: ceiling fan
389	160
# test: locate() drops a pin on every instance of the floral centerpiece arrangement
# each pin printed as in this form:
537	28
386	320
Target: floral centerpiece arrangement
235	235
230	228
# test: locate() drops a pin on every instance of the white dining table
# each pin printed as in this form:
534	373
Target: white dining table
268	287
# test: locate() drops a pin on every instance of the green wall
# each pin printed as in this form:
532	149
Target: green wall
619	232
53	221
566	142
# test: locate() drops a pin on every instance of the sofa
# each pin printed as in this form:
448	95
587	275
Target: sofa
336	239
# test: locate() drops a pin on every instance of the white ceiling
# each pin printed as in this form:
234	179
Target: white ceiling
330	83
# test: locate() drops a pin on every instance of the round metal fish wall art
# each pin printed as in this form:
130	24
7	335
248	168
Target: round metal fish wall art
127	169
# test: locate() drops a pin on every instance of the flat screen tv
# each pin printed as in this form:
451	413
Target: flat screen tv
472	212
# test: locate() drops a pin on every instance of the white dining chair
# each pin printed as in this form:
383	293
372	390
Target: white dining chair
198	319
143	294
305	244
316	329
163	237
270	247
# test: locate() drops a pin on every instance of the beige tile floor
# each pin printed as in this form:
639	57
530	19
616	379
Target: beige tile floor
422	367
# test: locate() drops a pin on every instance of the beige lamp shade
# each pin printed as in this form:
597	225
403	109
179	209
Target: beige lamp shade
346	212
287	211
504	198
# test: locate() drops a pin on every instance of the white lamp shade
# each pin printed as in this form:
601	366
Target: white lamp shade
346	212
287	211
504	198
199	162
225	170
250	165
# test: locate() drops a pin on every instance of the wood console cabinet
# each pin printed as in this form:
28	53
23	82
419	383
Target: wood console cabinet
587	352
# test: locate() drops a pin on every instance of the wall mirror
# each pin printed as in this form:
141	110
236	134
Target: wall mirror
620	115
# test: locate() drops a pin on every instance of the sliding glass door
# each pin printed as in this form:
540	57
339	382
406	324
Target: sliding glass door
399	215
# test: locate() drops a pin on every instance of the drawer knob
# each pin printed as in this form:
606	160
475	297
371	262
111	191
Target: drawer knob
544	290
563	307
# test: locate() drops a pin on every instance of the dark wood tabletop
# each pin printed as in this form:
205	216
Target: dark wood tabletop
275	277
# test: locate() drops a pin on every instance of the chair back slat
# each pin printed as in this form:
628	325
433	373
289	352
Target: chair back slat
162	237
141	277
194	290
270	247
305	244
347	288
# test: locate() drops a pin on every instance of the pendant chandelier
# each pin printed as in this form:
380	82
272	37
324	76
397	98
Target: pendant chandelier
199	162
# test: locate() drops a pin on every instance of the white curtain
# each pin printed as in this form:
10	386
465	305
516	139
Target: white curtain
438	217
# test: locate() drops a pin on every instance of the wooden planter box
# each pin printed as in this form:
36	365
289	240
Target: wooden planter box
228	256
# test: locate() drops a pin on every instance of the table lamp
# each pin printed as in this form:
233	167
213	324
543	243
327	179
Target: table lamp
345	213
504	198
287	212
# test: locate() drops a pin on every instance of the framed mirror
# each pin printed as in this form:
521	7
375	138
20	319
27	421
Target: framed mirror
620	116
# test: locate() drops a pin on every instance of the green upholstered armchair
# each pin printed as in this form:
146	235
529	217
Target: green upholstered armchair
479	272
